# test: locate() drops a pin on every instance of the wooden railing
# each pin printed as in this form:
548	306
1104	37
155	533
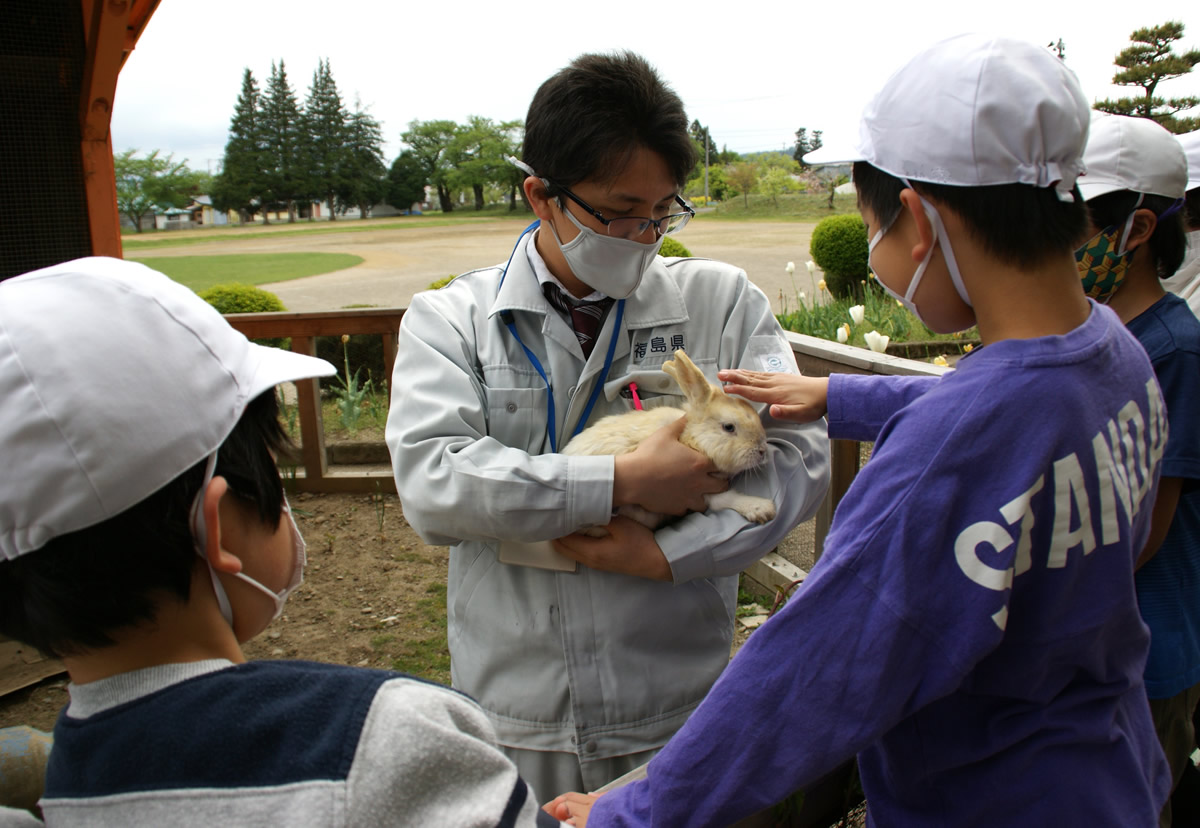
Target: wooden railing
304	328
816	357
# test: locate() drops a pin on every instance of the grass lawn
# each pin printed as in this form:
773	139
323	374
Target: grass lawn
201	272
150	240
784	207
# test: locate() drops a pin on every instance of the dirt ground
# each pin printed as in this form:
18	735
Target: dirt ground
400	261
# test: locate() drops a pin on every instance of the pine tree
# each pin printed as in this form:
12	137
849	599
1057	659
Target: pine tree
281	124
363	184
326	126
1147	63
240	185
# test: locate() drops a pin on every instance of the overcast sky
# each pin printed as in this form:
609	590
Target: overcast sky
751	71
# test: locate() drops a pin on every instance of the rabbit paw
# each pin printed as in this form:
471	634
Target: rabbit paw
755	509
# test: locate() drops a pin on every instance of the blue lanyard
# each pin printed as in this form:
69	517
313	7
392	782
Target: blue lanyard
507	318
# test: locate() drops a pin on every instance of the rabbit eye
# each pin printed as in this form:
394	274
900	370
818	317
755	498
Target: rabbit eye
729	427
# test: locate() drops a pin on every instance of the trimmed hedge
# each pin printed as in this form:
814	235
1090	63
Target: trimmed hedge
839	247
239	298
671	247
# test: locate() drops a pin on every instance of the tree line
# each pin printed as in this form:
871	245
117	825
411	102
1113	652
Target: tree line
281	153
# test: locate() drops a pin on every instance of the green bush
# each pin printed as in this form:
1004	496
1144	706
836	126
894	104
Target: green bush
670	247
238	298
441	283
839	247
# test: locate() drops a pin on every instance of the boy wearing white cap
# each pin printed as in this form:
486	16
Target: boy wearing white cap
1134	189
1186	281
971	631
144	534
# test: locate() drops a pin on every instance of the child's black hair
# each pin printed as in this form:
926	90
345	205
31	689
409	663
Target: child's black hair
1168	243
1018	224
1191	207
71	595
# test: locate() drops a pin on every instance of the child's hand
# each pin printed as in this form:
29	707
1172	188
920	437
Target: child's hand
791	396
571	808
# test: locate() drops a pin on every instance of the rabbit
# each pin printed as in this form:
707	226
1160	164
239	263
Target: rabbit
725	429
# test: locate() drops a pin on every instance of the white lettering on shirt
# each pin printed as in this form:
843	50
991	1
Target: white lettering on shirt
1126	455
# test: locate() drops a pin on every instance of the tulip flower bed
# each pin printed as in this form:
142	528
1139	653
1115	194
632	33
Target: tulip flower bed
875	322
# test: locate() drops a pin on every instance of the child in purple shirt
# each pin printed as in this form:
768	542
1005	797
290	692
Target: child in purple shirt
971	633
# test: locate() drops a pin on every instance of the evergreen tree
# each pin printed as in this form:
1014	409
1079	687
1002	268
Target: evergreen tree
805	145
281	124
240	185
406	181
363	182
325	150
1147	63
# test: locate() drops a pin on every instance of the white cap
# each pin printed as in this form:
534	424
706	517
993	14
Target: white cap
1190	142
973	111
114	380
1135	154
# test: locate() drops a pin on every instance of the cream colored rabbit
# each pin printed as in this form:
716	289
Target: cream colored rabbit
725	429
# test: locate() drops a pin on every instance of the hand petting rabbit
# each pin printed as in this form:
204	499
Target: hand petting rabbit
725	429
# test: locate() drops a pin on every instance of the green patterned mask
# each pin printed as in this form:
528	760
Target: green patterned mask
1103	261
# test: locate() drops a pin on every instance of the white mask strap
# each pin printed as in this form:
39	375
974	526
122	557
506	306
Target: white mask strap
1129	225
200	538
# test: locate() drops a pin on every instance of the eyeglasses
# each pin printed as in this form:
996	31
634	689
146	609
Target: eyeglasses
630	227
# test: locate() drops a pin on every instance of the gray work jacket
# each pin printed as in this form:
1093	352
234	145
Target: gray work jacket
591	662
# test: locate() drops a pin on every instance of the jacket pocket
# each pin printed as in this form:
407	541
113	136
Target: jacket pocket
517	417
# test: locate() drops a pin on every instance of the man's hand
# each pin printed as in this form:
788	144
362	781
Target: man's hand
791	396
663	475
629	549
571	808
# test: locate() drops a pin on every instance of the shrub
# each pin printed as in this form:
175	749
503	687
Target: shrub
441	283
670	247
839	247
238	298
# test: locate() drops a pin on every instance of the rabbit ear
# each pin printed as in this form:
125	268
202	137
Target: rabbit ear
692	381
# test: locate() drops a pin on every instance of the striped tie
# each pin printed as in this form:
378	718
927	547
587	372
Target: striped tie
586	317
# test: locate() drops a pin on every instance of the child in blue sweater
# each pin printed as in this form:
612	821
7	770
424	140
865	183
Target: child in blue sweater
971	633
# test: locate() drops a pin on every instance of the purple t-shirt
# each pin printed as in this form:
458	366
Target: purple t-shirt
971	632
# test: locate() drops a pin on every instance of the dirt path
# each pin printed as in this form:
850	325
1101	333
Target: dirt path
399	262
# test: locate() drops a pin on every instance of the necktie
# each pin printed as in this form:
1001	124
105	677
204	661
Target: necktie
586	317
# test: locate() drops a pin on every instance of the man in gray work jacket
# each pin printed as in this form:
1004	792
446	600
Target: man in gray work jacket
586	671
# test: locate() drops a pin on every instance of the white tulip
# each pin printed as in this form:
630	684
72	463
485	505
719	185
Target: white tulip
843	333
856	314
876	341
791	267
811	265
802	297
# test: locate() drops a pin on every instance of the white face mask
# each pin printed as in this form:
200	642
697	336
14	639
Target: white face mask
299	554
939	237
612	266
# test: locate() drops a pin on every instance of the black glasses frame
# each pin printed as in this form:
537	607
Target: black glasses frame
658	223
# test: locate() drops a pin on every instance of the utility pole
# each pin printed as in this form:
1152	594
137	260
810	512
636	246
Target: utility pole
706	167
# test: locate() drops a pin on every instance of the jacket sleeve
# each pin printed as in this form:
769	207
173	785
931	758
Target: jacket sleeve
795	476
427	756
456	482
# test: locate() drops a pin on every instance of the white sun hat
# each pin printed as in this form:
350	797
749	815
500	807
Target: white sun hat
973	111
114	380
1190	142
1135	154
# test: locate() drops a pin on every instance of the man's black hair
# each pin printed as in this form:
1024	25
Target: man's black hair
71	595
1168	243
586	121
1019	224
